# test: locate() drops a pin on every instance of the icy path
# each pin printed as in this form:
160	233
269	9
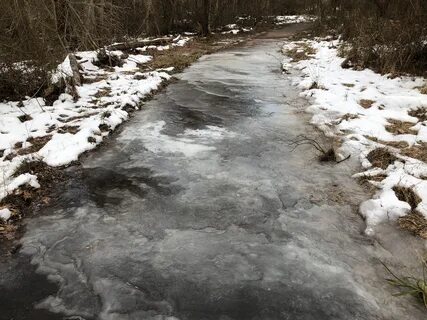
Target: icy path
198	210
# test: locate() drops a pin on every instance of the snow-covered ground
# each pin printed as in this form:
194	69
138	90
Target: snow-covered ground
59	134
283	20
367	111
234	28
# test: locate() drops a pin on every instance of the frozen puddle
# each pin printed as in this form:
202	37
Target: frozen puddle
199	210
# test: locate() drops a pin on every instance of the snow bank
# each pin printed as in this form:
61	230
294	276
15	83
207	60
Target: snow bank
282	20
69	128
367	111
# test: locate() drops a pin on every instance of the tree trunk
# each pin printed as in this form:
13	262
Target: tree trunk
204	17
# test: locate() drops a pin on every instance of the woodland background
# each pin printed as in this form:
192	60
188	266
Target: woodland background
388	36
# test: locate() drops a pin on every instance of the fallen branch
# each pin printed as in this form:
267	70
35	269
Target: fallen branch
142	43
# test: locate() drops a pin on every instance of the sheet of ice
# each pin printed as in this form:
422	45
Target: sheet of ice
159	234
186	144
358	107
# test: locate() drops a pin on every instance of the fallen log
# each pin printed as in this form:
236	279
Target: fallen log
142	43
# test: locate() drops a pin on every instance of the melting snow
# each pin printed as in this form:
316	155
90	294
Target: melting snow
358	106
5	214
73	127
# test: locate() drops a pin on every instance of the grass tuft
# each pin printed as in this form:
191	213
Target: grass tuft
407	195
420	113
302	51
413	286
418	151
366	103
400	127
381	158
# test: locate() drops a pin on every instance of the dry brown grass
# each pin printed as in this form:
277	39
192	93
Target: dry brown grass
7	230
394	144
69	129
400	127
423	90
36	145
366	103
182	57
407	195
415	223
347	117
381	158
175	58
420	113
105	92
418	152
349	85
73	118
303	51
377	178
21	200
350	116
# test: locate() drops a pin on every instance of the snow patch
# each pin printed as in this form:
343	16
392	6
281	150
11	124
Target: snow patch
360	107
5	214
74	127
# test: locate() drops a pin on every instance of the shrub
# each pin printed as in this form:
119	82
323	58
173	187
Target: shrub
387	36
18	80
